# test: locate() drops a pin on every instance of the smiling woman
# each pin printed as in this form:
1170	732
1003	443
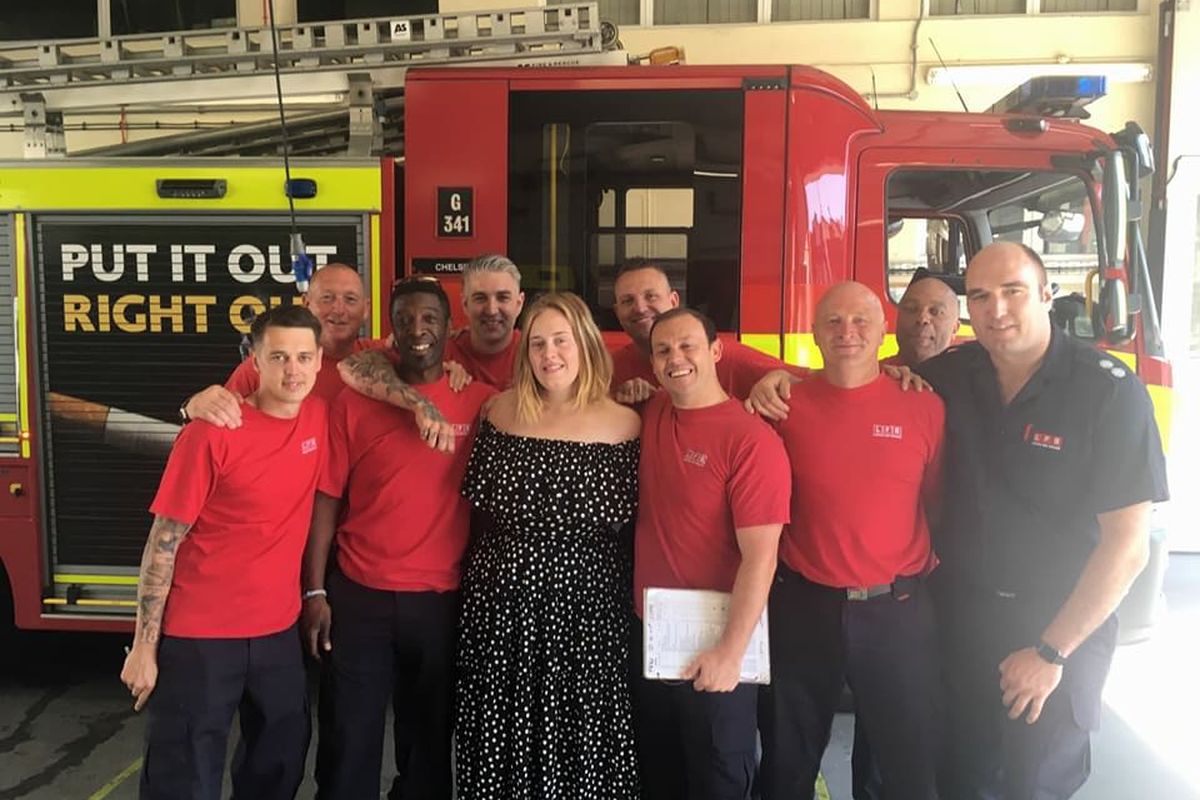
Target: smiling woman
543	683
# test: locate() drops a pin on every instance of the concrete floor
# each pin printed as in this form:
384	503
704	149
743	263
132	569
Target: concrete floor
66	730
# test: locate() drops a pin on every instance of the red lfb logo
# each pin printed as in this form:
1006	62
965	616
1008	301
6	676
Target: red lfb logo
1050	441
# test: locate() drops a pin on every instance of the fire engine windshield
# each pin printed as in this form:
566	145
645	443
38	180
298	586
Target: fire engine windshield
938	218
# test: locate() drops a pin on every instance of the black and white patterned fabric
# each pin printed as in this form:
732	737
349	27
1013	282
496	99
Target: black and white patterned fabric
543	701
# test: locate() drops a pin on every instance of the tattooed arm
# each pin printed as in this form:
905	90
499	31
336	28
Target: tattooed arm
140	673
369	372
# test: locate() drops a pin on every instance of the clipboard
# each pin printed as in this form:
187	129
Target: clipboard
681	623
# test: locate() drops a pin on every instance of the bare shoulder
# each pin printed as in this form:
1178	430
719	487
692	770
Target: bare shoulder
500	409
620	422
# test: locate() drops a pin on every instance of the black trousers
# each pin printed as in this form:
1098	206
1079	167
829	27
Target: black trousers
886	649
387	644
988	756
693	745
201	684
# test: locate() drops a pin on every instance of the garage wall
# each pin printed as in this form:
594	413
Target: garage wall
851	49
1181	314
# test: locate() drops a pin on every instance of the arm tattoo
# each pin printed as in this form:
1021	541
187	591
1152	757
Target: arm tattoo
369	372
154	582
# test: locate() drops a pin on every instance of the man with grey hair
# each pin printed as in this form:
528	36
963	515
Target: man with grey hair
492	299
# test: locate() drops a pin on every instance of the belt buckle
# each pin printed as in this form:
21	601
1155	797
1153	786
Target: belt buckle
858	594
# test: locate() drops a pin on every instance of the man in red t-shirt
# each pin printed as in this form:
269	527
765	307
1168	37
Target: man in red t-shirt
219	590
492	299
714	494
641	293
337	299
384	620
849	602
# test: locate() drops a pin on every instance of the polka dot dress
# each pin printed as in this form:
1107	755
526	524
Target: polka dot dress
543	666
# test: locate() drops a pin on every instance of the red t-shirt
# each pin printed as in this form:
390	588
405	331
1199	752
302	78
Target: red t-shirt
405	523
738	370
703	473
494	369
862	460
244	378
248	495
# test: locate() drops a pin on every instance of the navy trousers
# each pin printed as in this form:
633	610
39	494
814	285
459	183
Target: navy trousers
988	756
397	645
885	648
202	683
693	745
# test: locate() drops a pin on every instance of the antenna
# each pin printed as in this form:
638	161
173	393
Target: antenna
949	74
874	90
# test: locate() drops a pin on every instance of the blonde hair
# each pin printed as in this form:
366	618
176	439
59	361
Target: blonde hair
595	364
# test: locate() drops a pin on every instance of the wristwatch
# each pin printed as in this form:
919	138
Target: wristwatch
1049	654
183	415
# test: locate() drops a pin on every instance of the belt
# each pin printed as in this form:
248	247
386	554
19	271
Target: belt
900	588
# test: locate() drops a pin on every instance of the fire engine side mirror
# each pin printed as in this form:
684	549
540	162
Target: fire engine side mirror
1113	305
1116	209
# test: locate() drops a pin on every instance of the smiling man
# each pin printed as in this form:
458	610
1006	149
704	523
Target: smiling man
714	492
218	592
492	300
1052	462
642	293
384	622
336	298
849	601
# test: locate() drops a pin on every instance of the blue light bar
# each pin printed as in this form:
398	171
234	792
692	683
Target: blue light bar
1053	96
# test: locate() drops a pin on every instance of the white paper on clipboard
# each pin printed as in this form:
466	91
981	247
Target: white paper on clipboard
681	623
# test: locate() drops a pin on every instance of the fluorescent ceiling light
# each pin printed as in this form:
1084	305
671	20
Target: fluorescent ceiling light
1010	75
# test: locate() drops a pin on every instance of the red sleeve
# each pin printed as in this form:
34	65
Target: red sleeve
747	366
243	380
364	343
335	469
760	487
191	474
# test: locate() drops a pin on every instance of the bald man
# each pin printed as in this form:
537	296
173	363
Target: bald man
336	297
926	320
1052	463
849	602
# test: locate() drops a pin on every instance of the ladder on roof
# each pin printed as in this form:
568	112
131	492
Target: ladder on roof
236	64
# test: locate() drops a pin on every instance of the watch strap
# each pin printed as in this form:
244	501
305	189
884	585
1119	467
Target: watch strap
1049	654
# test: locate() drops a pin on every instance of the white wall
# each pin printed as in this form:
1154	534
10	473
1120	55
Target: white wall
1181	314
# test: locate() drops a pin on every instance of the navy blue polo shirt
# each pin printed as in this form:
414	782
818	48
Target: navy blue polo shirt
1024	482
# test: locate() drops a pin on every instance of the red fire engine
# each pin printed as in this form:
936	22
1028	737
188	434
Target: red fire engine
755	187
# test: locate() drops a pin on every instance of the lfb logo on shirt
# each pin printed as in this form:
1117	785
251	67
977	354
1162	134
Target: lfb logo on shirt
309	445
1049	441
695	459
881	431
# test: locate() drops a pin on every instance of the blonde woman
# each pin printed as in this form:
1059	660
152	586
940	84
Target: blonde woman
543	683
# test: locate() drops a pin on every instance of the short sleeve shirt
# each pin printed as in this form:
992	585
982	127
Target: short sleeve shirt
703	474
244	378
494	369
1024	483
863	462
405	525
248	495
738	370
